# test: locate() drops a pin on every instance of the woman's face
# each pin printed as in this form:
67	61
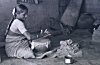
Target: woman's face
22	15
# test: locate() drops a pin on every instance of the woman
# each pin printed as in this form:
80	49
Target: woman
17	36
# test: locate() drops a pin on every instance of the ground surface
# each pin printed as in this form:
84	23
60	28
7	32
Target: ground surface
91	52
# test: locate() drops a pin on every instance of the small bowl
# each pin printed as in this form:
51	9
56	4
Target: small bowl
68	60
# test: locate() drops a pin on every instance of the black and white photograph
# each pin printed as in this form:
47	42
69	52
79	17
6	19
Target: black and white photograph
49	32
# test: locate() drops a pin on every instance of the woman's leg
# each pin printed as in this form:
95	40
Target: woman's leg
25	53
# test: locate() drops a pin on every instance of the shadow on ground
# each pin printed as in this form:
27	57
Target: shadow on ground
91	52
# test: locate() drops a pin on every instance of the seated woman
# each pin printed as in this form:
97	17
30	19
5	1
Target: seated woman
17	37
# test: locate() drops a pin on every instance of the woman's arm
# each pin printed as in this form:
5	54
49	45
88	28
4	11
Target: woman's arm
29	36
23	30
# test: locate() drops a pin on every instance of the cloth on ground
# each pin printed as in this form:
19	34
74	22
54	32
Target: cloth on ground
67	48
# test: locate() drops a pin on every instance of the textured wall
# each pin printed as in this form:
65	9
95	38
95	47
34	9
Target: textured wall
38	13
92	6
5	14
36	17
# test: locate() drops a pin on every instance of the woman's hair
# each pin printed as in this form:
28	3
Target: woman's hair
20	9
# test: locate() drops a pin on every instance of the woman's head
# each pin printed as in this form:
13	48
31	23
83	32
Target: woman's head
20	11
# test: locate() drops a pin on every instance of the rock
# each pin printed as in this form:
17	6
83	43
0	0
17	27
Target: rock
85	21
71	13
96	35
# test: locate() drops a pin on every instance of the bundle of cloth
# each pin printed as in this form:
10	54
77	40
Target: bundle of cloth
69	49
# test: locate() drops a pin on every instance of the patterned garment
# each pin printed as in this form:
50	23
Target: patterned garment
18	46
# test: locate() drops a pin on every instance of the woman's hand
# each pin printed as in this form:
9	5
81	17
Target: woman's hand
46	33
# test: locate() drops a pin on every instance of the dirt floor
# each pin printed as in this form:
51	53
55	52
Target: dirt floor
91	52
